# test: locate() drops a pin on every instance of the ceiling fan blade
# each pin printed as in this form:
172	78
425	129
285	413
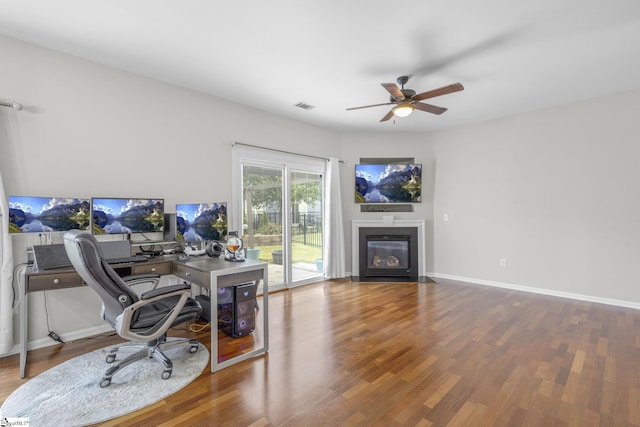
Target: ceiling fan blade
394	90
455	87
368	106
388	116
429	108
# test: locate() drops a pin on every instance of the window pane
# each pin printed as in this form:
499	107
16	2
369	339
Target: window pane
262	218
306	225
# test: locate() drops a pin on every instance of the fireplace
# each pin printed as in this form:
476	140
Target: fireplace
388	252
392	227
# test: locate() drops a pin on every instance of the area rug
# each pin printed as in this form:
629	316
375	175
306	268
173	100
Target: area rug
69	394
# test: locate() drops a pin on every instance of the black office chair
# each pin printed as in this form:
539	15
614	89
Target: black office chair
143	319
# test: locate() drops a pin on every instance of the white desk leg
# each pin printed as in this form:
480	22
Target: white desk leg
213	297
24	313
265	311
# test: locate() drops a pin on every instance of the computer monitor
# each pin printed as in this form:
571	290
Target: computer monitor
125	216
47	214
197	222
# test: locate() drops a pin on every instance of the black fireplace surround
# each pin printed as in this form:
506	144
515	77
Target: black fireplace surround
388	252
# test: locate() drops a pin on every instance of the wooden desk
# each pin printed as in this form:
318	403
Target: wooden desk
208	273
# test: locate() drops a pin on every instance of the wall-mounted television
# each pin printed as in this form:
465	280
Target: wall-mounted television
390	183
125	216
197	222
47	214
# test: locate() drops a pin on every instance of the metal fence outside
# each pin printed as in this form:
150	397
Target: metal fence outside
305	228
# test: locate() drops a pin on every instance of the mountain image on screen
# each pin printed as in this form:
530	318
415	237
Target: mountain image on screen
393	183
122	216
197	222
45	214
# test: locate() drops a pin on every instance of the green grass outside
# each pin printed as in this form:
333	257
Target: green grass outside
300	253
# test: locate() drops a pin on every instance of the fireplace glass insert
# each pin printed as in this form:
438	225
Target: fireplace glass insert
388	254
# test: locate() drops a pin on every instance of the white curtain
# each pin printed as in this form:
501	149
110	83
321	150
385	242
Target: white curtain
6	276
334	262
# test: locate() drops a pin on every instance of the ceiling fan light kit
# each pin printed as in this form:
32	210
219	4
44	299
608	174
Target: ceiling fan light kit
403	109
407	100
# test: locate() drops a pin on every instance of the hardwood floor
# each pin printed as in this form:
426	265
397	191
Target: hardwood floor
404	354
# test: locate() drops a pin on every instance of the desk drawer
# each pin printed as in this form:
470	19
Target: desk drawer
157	268
199	278
45	282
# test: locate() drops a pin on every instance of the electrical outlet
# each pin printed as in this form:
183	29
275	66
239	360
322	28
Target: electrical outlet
503	262
445	217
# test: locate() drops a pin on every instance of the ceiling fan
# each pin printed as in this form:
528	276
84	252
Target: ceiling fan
407	100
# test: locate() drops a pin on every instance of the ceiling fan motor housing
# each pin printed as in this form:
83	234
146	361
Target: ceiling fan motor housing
408	94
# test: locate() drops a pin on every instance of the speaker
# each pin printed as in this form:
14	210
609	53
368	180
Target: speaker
238	317
205	302
169	227
214	250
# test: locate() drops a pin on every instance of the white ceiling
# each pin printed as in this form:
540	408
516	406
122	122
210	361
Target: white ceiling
511	56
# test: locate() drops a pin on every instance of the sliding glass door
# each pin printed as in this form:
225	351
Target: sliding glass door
281	207
306	225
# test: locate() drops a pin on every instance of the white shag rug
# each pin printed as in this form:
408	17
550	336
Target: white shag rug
70	395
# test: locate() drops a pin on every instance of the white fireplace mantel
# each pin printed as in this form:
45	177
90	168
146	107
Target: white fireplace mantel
386	221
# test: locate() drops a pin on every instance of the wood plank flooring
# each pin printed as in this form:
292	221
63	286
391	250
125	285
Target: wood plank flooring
408	354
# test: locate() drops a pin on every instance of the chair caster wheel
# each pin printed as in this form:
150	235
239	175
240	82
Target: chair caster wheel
105	382
166	374
111	358
193	349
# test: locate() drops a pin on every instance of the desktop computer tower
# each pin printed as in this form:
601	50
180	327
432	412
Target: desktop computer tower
237	317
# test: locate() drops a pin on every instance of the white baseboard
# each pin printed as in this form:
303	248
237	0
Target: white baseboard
71	336
542	291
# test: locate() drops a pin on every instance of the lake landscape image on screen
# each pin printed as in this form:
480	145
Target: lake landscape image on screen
123	216
390	183
47	214
196	222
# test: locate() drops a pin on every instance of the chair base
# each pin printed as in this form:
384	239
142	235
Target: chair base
154	349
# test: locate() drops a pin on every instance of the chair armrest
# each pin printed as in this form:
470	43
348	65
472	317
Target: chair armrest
124	320
164	290
138	279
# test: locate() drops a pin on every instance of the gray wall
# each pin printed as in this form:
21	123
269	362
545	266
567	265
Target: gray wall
555	192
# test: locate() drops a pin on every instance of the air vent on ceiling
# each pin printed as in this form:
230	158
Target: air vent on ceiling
304	106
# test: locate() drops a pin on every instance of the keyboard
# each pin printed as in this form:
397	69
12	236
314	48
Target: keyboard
127	259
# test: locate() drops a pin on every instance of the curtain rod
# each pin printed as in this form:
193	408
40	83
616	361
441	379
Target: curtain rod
281	151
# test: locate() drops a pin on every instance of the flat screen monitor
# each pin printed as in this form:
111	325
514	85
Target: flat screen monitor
125	216
197	222
47	214
391	183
